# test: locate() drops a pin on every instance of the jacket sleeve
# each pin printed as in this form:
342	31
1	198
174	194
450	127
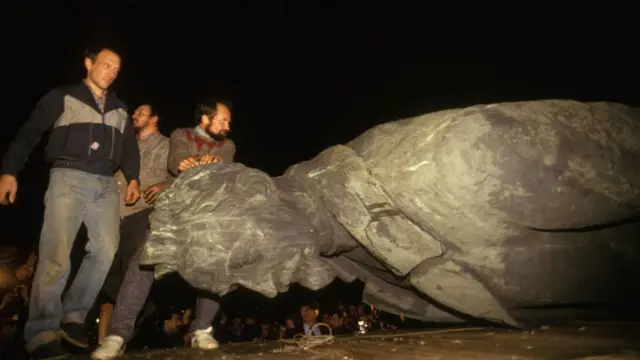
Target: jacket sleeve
164	158
42	118
178	151
130	159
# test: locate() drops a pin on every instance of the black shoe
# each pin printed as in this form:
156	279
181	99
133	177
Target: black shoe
52	350
75	334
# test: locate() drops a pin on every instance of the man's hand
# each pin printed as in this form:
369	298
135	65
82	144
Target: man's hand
8	189
209	159
133	192
187	163
151	193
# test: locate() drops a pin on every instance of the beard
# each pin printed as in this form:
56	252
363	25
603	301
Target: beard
138	125
217	136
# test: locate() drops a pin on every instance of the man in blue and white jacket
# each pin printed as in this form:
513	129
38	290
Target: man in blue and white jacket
91	138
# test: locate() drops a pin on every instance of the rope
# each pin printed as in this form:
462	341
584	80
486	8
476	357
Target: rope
306	342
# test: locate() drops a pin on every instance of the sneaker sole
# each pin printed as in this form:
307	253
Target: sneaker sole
108	358
206	348
119	354
73	341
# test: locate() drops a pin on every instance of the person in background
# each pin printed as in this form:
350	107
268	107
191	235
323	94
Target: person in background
250	330
163	331
221	330
235	330
24	275
14	310
309	313
291	329
336	321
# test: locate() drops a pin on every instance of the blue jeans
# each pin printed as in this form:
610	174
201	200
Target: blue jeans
72	197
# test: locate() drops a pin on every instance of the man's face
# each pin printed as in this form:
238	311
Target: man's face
335	321
104	69
218	125
290	324
142	117
308	314
172	325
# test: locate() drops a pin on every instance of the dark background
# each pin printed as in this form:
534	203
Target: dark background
304	75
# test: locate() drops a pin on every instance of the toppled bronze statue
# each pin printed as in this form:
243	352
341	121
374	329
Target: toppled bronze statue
468	213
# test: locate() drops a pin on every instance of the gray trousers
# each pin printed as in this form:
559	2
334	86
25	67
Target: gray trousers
133	294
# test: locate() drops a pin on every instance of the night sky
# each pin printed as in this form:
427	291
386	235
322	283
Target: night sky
302	76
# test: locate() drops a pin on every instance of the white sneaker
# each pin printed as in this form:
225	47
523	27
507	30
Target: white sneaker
111	348
203	340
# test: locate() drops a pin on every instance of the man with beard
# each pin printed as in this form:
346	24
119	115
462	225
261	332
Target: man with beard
204	144
154	148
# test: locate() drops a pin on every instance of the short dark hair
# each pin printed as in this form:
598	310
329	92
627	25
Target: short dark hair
154	112
152	108
311	304
208	105
92	51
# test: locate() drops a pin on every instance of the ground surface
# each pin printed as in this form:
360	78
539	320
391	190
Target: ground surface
584	341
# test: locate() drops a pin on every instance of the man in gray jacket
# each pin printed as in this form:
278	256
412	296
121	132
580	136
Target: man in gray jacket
154	149
206	143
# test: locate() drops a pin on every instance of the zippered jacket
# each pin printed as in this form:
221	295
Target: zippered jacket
83	136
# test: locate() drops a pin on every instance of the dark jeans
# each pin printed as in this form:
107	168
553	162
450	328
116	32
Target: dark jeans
72	197
133	295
